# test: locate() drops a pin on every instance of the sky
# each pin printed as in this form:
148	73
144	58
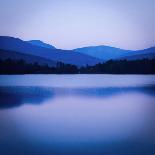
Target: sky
68	24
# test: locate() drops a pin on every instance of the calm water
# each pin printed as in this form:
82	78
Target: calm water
77	115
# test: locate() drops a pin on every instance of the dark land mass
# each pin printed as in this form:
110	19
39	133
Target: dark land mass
144	66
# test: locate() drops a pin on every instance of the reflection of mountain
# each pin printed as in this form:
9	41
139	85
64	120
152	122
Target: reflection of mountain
16	96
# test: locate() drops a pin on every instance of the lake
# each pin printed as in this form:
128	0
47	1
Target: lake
77	115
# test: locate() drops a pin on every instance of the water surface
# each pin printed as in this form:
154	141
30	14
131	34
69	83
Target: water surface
77	114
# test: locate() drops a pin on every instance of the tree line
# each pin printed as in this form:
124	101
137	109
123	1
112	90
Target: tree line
144	66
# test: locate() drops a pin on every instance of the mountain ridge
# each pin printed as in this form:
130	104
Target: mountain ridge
89	55
106	52
41	44
5	54
65	56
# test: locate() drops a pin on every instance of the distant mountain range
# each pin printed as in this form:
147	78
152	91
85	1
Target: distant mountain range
38	51
65	56
6	54
41	44
105	53
140	56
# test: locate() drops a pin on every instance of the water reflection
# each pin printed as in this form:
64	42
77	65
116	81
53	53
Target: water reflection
17	95
59	115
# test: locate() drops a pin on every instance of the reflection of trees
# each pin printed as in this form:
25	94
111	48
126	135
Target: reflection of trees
16	96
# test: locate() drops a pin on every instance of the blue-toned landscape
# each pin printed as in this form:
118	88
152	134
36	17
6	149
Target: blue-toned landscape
77	114
35	57
77	77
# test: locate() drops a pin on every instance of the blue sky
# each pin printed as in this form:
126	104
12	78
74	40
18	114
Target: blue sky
67	24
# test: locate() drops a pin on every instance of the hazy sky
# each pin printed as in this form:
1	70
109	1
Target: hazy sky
67	24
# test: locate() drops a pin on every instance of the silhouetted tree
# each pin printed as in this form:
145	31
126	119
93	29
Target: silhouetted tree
144	66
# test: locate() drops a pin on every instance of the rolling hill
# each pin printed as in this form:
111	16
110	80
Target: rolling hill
80	56
41	44
140	56
105	52
65	56
27	57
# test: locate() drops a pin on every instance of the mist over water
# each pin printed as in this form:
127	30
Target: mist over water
77	114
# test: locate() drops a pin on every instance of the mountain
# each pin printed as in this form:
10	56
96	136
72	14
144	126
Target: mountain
41	44
140	56
27	57
105	52
80	56
146	51
65	56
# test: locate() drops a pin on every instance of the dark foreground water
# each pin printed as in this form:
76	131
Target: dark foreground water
77	115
